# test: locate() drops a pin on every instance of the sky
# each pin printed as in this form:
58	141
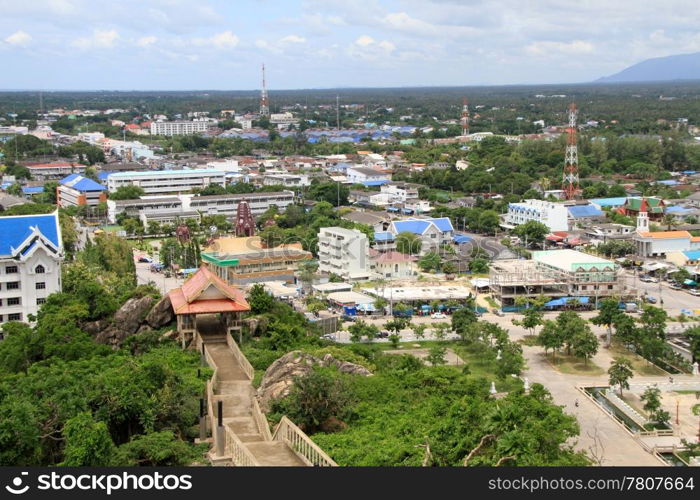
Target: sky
221	44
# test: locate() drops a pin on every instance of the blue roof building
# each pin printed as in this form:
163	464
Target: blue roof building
584	211
609	202
32	190
434	232
76	190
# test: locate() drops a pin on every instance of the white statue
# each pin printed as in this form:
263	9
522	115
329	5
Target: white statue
493	388
696	369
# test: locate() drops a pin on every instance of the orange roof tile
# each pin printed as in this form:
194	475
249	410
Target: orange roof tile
666	234
184	299
695	239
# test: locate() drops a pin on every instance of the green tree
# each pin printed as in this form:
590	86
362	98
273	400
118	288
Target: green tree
449	267
512	360
436	355
408	243
88	443
361	329
653	322
334	193
608	313
479	266
259	299
419	330
532	318
550	337
652	405
532	232
431	261
619	373
584	344
127	193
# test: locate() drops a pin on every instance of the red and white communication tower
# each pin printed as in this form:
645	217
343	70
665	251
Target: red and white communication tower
264	107
465	117
570	179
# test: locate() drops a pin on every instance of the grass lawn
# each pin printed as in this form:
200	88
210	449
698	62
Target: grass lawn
639	365
491	302
529	340
573	366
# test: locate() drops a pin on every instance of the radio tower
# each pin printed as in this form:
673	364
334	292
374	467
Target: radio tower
570	178
465	117
264	108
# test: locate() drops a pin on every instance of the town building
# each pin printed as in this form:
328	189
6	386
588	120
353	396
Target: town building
654	207
167	181
684	258
248	260
223	204
344	252
181	127
384	241
433	232
553	215
377	221
55	170
367	176
394	265
400	192
76	190
31	252
660	243
368	198
557	275
286	180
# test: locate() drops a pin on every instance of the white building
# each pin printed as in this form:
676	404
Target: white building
167	181
286	180
394	265
433	232
223	204
400	192
553	215
344	252
181	127
367	176
31	251
76	190
659	243
55	170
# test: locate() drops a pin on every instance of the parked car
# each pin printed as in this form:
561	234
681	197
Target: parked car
438	315
328	336
383	334
145	259
694	292
675	286
346	317
650	299
498	312
648	279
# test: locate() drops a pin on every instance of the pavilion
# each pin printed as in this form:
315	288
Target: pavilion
205	293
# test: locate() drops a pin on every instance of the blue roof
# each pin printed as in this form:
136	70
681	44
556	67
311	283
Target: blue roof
609	202
16	229
677	210
383	236
104	174
411	226
461	238
443	224
33	189
577	211
669	182
689	172
692	254
77	181
375	183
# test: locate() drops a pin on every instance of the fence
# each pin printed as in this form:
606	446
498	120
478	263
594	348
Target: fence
289	433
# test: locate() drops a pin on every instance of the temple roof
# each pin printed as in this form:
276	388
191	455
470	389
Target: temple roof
194	297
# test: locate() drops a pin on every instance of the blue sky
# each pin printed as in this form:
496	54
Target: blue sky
216	44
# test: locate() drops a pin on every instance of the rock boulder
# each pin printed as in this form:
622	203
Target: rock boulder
130	315
162	314
279	376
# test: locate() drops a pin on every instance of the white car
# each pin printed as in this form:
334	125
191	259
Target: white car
694	291
438	315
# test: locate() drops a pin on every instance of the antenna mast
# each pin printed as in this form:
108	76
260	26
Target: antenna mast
264	107
570	181
465	117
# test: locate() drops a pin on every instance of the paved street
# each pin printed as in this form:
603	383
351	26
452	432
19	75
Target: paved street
144	276
674	300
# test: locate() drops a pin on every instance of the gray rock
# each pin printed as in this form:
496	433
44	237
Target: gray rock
130	315
162	314
95	327
279	376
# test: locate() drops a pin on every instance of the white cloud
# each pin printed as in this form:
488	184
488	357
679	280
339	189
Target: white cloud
19	38
369	49
548	48
292	39
364	41
224	40
145	41
100	39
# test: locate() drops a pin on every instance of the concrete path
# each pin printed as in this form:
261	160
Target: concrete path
236	392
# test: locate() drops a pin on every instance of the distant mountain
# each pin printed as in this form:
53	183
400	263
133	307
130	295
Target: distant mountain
678	67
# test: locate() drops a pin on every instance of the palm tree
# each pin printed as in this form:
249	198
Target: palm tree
669	221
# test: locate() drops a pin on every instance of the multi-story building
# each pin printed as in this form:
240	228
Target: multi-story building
556	274
433	232
217	204
286	180
344	252
247	260
181	127
76	190
400	192
55	170
167	181
553	215
367	176
31	252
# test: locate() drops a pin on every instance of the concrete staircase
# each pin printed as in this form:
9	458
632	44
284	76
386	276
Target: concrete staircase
235	390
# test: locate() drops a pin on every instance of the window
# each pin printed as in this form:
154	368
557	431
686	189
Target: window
11	269
13	285
1	322
39	269
40	301
13	301
610	287
41	285
14	317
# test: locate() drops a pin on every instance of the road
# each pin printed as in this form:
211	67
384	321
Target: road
674	300
145	276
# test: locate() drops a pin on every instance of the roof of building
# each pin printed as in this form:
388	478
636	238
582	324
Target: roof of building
366	217
567	259
368	171
7	201
654	205
33	189
692	254
609	202
666	234
419	226
185	300
581	211
16	229
80	183
383	236
163	173
56	165
678	210
250	249
393	258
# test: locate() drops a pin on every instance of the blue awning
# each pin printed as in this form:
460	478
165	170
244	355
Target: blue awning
690	282
565	300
